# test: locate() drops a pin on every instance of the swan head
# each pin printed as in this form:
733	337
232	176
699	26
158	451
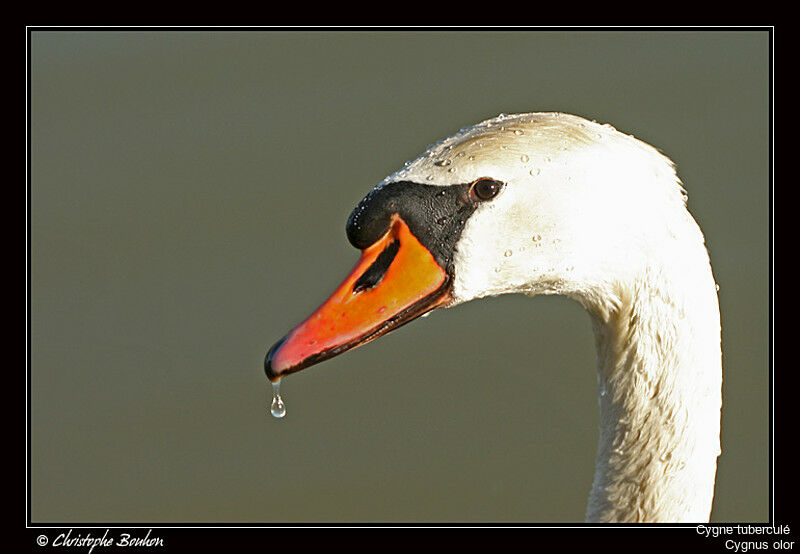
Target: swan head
540	203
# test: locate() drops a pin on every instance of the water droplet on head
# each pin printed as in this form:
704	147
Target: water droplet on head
278	408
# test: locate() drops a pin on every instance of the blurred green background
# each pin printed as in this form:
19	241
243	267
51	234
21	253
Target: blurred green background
189	192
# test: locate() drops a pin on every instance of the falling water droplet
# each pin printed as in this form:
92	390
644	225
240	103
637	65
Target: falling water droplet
278	408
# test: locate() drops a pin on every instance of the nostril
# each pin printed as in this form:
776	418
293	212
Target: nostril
375	272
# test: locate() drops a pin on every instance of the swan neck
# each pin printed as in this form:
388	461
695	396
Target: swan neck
659	387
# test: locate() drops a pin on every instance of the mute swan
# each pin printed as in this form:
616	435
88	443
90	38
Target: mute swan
550	203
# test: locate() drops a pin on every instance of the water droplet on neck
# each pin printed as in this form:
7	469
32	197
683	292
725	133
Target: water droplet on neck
278	408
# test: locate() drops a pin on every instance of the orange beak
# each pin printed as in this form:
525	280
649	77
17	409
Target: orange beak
396	280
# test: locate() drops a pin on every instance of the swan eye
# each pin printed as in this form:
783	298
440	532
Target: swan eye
486	189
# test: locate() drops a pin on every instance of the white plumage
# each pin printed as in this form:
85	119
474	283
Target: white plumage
596	215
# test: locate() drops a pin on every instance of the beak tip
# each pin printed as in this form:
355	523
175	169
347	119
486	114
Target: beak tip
272	375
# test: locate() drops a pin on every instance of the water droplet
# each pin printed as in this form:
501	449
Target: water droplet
508	253
716	286
535	171
441	163
451	170
536	238
518	132
278	408
524	158
471	158
429	177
